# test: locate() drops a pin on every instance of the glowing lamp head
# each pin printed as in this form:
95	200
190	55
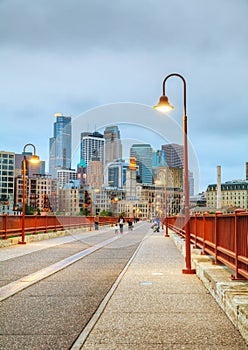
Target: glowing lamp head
163	106
34	159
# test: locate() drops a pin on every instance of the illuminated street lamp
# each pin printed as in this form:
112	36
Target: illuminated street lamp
34	160
159	182
114	203
164	106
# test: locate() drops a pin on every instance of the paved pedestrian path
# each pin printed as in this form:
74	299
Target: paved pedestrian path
155	306
16	250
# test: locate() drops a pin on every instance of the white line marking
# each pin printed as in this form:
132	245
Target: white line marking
24	282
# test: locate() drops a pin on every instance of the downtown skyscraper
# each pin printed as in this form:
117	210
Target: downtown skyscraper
92	145
143	155
173	155
60	145
113	146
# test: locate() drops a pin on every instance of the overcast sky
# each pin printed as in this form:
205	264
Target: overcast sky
71	56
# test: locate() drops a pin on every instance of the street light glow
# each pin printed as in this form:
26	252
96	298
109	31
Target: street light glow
34	159
163	106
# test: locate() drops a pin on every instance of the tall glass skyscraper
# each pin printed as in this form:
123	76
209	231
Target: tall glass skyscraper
117	174
113	146
174	155
143	155
60	145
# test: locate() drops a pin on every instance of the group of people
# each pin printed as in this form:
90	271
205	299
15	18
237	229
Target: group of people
120	225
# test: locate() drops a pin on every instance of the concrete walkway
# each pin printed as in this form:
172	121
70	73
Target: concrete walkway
155	306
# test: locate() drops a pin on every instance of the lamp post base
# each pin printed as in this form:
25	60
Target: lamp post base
166	230
189	271
22	242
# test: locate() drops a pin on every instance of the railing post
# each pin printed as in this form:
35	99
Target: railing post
236	215
91	224
195	225
5	225
166	226
204	236
35	224
216	237
55	223
46	223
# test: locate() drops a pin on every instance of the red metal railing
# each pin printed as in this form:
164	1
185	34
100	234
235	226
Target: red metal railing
223	236
10	225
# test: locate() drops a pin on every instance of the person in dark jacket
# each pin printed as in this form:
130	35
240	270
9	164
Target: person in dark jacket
121	223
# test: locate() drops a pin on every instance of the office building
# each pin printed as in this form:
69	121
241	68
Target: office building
82	172
7	168
91	144
143	155
69	198
95	172
158	158
41	193
60	145
117	173
158	161
65	176
234	194
191	183
131	180
173	155
113	146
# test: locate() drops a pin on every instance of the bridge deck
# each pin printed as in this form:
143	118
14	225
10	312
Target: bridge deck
152	305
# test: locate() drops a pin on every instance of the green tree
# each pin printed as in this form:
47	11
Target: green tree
105	213
84	211
29	210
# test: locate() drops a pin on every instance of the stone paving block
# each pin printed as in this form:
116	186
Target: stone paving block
232	301
243	319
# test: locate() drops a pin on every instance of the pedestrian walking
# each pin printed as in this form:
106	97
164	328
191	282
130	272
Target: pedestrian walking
130	225
116	228
96	221
121	223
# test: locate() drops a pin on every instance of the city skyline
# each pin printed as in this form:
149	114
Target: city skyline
146	132
72	69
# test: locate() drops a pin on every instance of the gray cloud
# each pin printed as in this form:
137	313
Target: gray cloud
69	56
123	25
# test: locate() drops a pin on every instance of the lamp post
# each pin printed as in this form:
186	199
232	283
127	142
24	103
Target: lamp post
35	160
164	106
166	212
114	203
164	176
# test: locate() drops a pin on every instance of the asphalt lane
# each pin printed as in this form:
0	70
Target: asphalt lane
53	312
